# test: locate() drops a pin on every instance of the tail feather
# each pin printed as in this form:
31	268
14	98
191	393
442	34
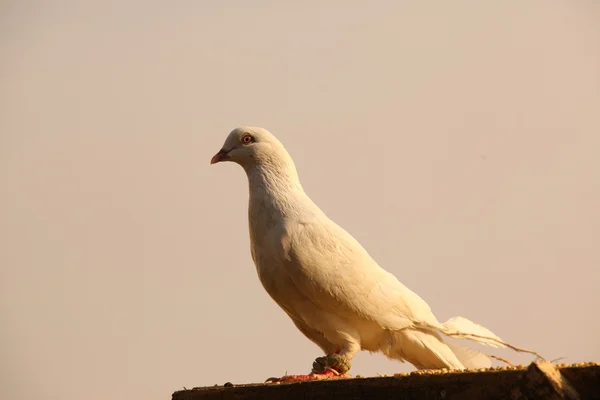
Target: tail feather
423	349
469	357
462	328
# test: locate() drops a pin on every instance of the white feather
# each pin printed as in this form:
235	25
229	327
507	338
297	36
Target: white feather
459	327
469	357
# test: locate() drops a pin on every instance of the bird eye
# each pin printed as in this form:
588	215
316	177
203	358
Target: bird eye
247	138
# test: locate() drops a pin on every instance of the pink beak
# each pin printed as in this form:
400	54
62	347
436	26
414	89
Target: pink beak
220	156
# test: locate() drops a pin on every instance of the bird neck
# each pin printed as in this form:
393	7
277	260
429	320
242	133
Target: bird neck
275	188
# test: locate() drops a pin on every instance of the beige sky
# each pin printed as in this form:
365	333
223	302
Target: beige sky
458	141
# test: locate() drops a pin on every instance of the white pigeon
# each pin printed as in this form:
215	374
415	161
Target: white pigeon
327	283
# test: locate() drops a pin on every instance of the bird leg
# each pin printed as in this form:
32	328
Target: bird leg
331	366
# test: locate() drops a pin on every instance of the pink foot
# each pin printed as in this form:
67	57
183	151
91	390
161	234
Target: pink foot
329	374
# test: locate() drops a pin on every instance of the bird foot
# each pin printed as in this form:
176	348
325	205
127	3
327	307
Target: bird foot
331	366
329	374
333	362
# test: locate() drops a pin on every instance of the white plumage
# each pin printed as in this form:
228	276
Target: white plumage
326	282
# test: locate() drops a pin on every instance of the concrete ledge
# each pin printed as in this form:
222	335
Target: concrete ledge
540	380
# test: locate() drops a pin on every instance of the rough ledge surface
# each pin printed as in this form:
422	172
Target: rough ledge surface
539	380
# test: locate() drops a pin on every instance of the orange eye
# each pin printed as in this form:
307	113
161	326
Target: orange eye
247	138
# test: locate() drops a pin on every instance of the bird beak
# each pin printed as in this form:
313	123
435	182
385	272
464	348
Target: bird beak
220	156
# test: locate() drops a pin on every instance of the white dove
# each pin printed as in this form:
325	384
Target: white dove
327	283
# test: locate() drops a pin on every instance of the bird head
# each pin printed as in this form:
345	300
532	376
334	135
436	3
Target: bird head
248	146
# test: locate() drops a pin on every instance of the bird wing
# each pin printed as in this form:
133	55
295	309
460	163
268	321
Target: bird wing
331	268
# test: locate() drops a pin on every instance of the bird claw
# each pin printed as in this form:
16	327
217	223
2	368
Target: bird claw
329	374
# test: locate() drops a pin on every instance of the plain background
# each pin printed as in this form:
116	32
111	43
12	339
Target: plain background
458	141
